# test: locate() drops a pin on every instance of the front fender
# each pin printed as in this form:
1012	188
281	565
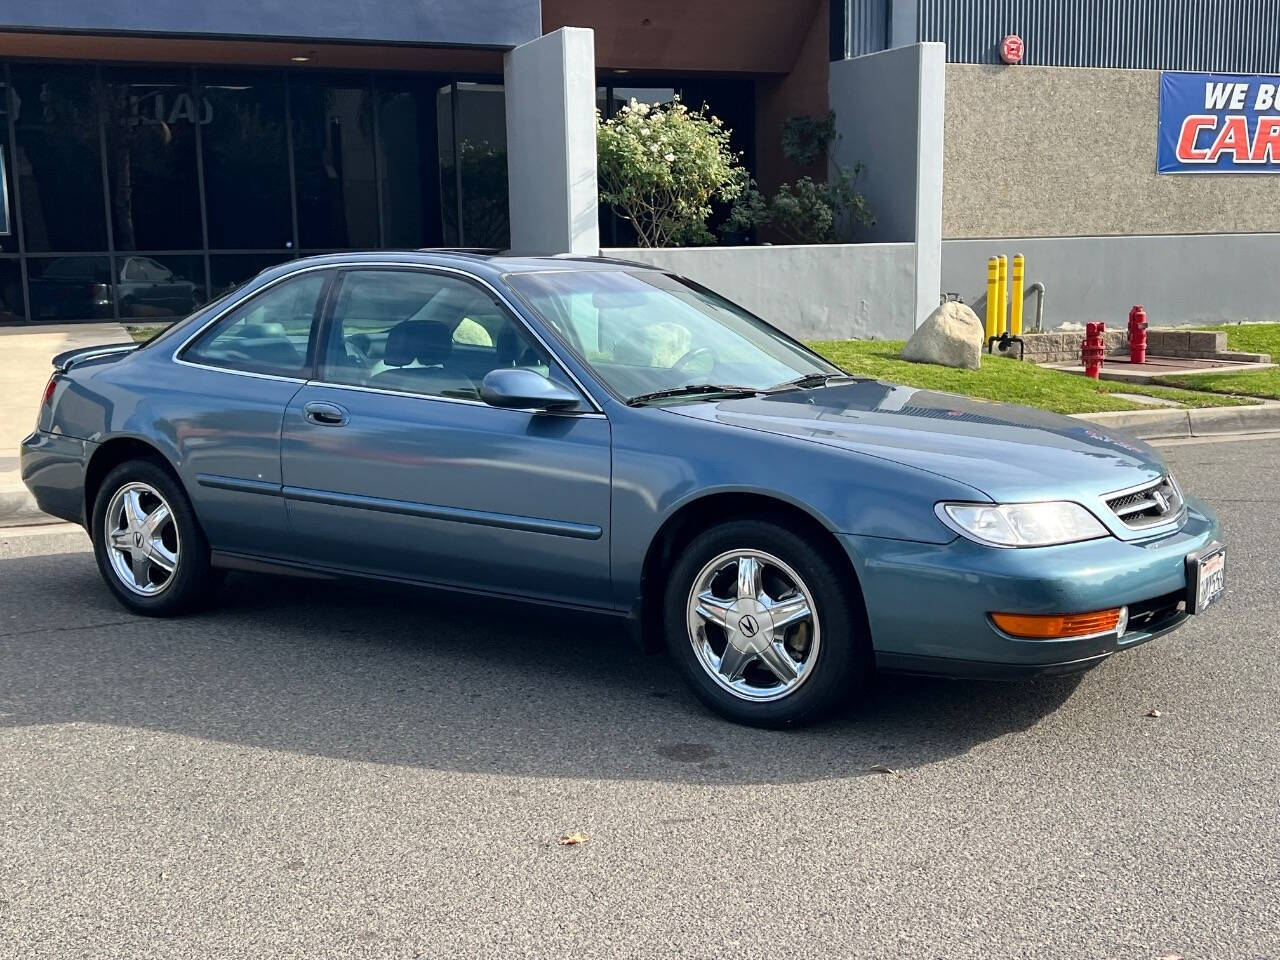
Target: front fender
664	462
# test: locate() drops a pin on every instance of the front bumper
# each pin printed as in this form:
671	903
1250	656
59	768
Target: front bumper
928	604
53	468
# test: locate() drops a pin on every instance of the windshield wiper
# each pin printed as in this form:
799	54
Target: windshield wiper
694	389
810	380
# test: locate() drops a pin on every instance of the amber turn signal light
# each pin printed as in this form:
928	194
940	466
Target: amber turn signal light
1058	626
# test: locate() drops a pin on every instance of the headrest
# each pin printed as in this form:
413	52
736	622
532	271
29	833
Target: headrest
257	331
423	340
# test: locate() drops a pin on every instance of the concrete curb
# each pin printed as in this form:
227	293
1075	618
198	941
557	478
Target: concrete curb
1184	423
18	508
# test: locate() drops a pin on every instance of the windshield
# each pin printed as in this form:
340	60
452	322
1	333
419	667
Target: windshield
644	332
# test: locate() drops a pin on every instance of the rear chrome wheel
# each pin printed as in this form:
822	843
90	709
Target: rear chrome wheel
147	541
142	539
753	625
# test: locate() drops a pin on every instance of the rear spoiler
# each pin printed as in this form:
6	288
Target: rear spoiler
64	361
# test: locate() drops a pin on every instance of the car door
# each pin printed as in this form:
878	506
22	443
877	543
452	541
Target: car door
223	402
393	465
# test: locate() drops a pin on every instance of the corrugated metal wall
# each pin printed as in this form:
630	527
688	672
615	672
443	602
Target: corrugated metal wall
866	24
1240	36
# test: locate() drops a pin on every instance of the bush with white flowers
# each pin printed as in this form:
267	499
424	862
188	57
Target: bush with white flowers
662	166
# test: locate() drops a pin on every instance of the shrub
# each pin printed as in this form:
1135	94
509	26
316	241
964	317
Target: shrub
806	211
661	167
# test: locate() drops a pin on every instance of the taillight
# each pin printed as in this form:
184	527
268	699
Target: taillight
48	390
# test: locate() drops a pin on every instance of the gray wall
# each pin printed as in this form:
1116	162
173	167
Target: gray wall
1062	151
889	117
1179	279
484	23
551	144
837	292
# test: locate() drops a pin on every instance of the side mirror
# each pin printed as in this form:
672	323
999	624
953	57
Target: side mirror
525	390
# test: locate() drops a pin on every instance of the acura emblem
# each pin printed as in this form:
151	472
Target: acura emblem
1161	500
749	626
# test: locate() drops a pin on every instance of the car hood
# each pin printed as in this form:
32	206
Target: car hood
1008	452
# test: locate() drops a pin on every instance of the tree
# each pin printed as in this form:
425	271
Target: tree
661	167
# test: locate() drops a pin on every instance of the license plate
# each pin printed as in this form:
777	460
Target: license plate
1207	578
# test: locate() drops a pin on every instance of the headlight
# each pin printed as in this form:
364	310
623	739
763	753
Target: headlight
1022	524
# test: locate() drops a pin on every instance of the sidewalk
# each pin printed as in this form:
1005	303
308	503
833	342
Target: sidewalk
25	355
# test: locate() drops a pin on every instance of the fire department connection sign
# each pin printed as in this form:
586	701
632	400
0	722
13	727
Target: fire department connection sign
1219	123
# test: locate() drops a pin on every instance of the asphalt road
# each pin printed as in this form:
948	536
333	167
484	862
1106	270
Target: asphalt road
320	771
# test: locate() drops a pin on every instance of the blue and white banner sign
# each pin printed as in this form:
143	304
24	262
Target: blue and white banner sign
1219	123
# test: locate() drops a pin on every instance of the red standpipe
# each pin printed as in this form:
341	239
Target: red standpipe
1137	335
1093	349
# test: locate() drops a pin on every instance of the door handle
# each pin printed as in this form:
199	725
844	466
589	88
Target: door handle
325	414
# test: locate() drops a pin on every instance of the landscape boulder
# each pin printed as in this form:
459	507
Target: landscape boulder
952	336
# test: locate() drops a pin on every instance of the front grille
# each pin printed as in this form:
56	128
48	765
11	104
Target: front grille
1158	502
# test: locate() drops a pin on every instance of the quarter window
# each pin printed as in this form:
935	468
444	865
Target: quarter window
427	333
269	333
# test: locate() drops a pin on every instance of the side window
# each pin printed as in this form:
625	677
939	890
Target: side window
268	333
425	333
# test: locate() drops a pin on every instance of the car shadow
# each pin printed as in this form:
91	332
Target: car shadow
381	674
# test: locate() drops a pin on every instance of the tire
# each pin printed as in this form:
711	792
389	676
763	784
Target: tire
829	652
144	586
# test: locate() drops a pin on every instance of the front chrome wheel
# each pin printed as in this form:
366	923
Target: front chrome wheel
141	536
753	625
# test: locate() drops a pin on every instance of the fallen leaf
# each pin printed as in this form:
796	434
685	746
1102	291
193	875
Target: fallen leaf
573	839
881	768
1153	712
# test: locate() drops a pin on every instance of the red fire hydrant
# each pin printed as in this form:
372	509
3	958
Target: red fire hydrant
1093	349
1137	335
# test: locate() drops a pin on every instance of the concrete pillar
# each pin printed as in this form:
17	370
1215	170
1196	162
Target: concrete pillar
551	144
889	117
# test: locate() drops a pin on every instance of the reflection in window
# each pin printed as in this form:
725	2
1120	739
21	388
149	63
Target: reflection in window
159	285
473	165
228	271
69	288
246	164
151	159
268	334
334	165
58	164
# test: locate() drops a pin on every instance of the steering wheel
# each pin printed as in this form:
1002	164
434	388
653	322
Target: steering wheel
681	364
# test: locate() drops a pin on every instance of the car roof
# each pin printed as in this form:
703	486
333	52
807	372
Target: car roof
481	262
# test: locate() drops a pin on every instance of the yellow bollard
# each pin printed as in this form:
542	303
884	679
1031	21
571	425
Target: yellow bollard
1015	315
993	293
1002	297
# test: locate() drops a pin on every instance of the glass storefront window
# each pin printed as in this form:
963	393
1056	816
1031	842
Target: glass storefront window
482	157
159	285
142	192
154	192
58	166
12	304
333	160
70	288
246	162
407	162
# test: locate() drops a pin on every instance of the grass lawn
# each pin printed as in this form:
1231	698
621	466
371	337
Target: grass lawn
1248	338
1251	337
1005	379
1259	383
142	333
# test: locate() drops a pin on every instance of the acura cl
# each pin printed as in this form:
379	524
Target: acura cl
608	437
